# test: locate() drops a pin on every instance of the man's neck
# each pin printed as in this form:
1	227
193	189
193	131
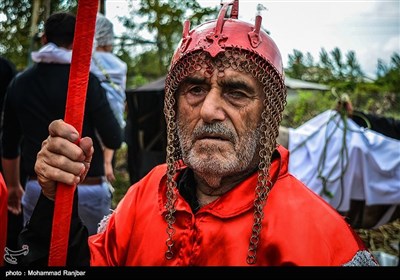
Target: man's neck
210	187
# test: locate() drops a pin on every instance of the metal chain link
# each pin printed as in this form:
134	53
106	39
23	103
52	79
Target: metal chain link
274	103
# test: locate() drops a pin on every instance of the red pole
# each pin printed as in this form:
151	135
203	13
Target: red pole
74	112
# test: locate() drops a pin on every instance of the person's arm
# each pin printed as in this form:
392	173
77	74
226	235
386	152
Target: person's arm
59	160
10	147
36	235
387	126
15	189
108	166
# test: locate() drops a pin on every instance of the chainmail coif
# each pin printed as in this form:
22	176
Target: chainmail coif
275	100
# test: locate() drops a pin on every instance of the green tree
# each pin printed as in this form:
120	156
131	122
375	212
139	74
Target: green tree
353	68
388	76
161	23
338	65
21	23
296	65
15	38
344	74
330	68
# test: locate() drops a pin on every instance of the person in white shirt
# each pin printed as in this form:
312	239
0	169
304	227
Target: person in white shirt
112	73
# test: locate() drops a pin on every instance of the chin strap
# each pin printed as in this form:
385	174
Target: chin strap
74	112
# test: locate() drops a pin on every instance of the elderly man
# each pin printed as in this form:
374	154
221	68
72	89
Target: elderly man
224	196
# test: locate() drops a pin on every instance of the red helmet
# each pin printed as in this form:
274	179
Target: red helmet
218	35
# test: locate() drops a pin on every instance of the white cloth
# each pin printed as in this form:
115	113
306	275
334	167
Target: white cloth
51	53
104	33
107	64
368	162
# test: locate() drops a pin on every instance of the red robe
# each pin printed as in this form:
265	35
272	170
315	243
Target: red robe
299	228
3	217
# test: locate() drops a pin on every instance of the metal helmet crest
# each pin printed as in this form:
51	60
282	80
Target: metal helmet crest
226	32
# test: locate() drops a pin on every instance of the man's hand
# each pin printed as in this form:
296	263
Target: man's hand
14	199
62	158
344	105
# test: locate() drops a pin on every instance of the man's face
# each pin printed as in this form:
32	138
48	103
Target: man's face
218	122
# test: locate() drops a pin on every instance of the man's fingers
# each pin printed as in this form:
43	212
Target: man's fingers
48	173
63	147
51	164
14	210
59	128
14	207
86	144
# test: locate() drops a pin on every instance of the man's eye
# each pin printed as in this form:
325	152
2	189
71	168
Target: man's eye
196	90
236	94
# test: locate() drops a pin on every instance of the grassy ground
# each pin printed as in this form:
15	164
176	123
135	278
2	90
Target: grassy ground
385	238
122	182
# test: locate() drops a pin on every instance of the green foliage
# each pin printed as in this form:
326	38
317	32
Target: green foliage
156	29
20	32
15	33
372	99
388	75
367	97
148	65
332	68
380	97
307	105
121	183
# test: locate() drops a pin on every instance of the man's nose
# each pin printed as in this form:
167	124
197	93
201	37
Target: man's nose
212	109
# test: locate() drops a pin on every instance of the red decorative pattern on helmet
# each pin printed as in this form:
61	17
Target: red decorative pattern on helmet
217	36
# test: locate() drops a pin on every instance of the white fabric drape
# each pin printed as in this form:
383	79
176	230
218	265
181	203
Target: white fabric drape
362	164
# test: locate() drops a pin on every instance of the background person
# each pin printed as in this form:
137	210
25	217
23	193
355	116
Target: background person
111	72
14	215
34	99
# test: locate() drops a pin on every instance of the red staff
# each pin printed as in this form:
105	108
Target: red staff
74	111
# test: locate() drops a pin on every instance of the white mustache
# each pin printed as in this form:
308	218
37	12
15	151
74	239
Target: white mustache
214	130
